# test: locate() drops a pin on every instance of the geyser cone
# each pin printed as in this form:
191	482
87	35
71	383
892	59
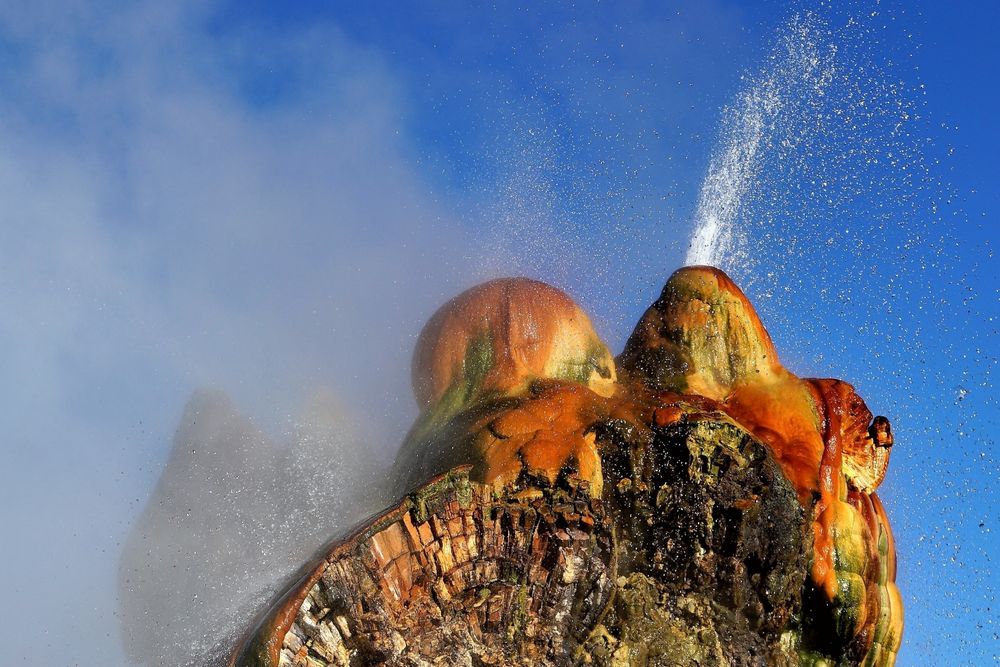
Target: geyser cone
497	337
702	336
481	353
581	513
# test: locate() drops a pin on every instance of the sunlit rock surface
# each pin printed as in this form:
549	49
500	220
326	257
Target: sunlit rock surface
694	504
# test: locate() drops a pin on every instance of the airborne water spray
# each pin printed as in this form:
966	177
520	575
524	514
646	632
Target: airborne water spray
828	198
766	113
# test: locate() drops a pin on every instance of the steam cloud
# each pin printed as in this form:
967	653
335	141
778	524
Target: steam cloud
169	224
233	515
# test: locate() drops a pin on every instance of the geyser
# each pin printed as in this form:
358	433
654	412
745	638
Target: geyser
691	503
773	109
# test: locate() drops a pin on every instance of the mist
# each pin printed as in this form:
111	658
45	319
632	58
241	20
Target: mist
219	244
168	226
233	515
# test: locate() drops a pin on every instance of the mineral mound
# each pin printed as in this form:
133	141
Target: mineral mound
691	502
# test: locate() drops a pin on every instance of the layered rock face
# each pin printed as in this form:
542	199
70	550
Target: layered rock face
694	503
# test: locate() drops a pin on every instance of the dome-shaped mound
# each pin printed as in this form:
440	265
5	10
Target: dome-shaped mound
499	336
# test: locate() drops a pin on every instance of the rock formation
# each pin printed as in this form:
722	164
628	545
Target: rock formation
695	503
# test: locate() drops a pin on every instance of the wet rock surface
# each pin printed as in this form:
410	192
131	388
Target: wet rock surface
698	504
707	519
696	557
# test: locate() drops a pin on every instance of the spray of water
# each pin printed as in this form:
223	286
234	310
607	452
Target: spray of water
729	176
767	112
827	199
234	514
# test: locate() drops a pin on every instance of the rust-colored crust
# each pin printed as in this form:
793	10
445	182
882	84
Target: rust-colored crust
526	327
263	644
700	351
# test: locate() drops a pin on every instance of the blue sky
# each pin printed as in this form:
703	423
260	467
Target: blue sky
269	199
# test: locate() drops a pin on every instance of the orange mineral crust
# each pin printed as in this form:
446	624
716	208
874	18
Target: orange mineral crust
498	336
544	437
702	336
717	473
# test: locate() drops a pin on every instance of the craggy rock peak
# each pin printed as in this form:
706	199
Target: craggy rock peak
695	503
